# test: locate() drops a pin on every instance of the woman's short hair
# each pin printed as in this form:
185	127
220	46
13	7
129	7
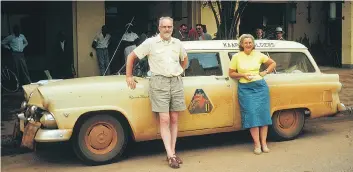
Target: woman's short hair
241	39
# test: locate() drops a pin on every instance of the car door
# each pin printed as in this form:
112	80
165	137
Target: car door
208	93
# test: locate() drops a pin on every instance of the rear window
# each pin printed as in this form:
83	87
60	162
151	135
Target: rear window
288	62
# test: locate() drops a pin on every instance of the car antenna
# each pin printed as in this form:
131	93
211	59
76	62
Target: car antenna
129	24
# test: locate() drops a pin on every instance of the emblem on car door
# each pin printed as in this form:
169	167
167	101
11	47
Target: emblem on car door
200	103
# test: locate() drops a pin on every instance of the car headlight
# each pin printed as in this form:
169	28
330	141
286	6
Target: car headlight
32	109
48	121
23	106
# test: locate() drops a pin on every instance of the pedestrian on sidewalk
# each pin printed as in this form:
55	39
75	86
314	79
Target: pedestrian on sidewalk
100	44
16	43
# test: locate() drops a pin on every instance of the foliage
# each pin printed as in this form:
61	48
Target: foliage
227	16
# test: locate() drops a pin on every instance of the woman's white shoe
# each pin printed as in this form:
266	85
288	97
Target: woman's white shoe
265	149
257	150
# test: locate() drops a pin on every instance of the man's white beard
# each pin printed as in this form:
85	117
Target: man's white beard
167	35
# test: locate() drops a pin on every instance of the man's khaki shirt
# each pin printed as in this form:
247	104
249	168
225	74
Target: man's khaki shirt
163	56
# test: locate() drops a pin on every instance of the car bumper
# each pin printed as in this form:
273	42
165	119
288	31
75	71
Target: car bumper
57	135
342	109
48	135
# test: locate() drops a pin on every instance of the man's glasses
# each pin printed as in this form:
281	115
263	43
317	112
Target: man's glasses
165	27
198	28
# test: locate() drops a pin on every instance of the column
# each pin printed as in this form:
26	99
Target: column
347	37
88	18
194	13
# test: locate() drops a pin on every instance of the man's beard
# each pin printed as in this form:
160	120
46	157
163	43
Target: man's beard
167	35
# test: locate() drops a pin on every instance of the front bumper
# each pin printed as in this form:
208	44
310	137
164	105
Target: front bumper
48	135
57	135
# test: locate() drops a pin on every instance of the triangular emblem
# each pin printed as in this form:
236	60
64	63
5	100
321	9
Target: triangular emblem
200	103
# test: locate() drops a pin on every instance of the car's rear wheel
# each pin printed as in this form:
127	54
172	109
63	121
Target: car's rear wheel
100	139
287	124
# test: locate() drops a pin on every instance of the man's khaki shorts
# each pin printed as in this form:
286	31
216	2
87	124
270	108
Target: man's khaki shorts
166	93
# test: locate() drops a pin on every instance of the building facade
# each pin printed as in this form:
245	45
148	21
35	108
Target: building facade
324	27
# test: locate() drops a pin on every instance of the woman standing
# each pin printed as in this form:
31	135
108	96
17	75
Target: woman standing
253	92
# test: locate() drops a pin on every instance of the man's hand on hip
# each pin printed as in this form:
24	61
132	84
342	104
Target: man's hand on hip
130	82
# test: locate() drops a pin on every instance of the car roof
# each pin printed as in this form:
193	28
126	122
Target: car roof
233	45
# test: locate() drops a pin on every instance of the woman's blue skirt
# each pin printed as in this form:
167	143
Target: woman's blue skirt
254	101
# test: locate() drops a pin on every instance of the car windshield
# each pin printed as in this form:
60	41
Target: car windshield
140	68
289	62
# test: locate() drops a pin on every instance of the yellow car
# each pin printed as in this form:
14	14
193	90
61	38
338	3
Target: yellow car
100	114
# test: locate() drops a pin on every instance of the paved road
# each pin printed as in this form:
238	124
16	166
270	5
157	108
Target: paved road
326	145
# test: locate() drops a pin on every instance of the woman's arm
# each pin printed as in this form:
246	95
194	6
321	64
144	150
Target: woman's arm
271	64
234	74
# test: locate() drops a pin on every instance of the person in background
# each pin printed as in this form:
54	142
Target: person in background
101	43
130	39
260	33
202	31
182	33
279	33
253	91
16	43
63	58
193	35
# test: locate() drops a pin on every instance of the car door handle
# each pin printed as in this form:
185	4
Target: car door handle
222	77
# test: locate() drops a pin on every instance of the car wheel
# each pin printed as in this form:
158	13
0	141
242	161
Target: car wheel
100	139
287	124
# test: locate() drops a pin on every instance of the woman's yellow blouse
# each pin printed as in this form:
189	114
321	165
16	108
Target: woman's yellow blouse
248	64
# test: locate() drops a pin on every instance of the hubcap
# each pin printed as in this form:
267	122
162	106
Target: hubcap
101	138
287	119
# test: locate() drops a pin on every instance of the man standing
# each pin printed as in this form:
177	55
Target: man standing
202	31
167	59
101	43
63	58
130	39
279	33
182	33
16	43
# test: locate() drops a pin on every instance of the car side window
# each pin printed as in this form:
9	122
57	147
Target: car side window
288	62
203	64
292	62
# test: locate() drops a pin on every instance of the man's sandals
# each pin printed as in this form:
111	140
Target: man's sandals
174	162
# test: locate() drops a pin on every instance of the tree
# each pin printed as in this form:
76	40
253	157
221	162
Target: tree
227	16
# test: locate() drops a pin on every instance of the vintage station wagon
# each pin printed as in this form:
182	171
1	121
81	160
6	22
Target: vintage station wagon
100	114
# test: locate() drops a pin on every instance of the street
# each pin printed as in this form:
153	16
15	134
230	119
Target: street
326	145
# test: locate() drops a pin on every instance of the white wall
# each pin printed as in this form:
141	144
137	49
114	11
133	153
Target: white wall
313	29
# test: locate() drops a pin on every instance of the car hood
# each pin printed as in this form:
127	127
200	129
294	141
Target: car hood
71	86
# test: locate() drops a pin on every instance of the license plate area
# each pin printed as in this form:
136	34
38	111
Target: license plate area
29	133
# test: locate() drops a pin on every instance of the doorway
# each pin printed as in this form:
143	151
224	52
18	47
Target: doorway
265	15
118	14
